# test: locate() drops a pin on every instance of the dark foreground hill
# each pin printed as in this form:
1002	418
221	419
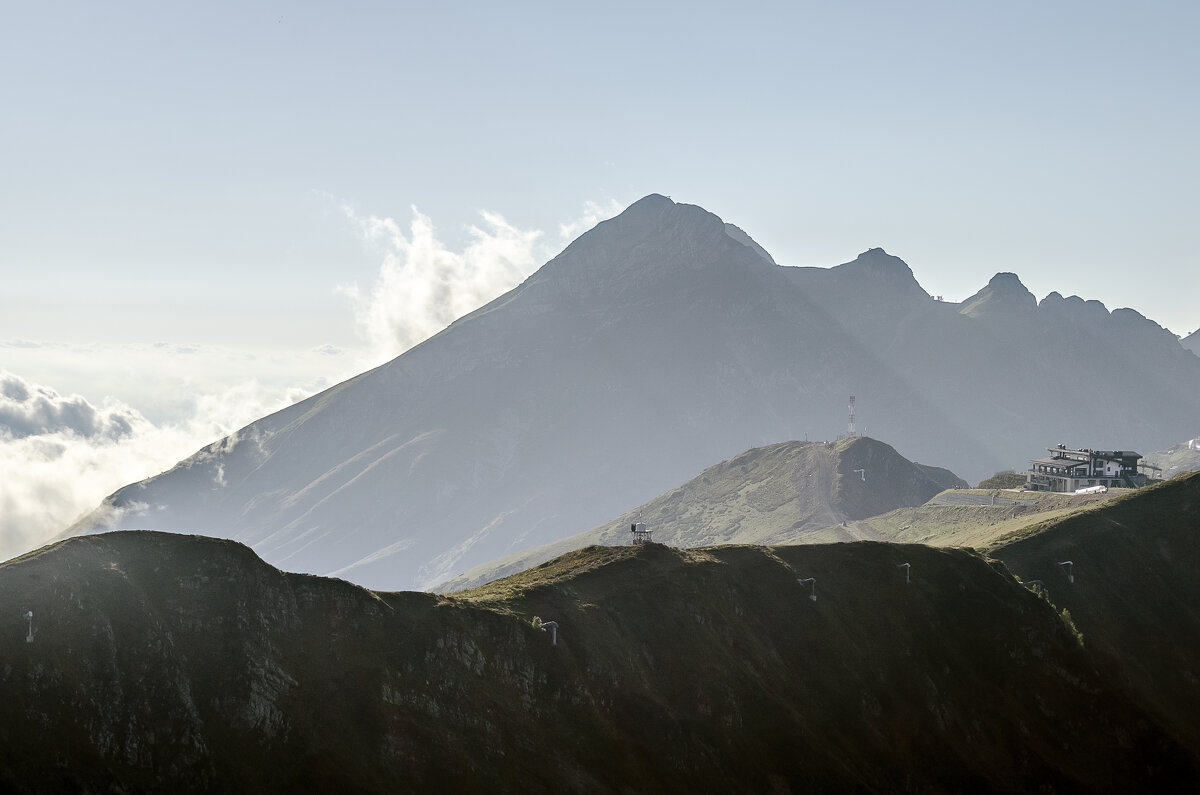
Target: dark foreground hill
1136	593
173	663
778	494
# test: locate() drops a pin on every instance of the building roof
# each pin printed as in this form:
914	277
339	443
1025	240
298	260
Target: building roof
1060	462
1087	455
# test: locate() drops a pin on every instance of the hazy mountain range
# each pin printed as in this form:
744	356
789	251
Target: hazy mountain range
655	345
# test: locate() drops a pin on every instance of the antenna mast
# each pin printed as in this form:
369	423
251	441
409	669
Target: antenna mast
850	431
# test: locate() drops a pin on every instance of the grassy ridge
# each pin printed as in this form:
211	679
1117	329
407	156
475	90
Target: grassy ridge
178	663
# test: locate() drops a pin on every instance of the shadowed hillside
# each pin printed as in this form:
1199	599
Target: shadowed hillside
1136	594
776	494
167	662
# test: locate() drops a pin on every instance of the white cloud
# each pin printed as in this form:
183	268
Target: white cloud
593	213
33	410
167	382
61	455
423	286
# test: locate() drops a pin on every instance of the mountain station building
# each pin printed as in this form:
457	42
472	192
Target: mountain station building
1067	471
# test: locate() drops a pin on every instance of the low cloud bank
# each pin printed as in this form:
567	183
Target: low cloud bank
33	410
60	455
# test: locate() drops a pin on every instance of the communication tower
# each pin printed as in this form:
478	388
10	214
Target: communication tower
850	431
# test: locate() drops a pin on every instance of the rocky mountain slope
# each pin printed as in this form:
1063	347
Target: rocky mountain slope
777	494
166	662
656	344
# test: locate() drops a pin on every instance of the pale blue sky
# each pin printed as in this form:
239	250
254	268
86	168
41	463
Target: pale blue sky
173	171
185	186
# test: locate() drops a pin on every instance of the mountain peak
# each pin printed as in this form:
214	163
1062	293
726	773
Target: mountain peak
653	238
1004	294
877	267
879	260
1075	309
650	200
1008	281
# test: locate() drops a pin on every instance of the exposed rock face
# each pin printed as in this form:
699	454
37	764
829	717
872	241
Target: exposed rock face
656	344
173	663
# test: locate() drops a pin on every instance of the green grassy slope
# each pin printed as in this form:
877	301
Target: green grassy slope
945	524
777	494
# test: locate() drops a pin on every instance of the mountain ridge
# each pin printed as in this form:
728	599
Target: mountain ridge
188	664
653	346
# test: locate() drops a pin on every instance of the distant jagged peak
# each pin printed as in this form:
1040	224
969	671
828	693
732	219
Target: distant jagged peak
1003	295
1010	282
880	261
1134	325
1075	308
1089	305
879	267
1052	301
1128	315
1093	313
